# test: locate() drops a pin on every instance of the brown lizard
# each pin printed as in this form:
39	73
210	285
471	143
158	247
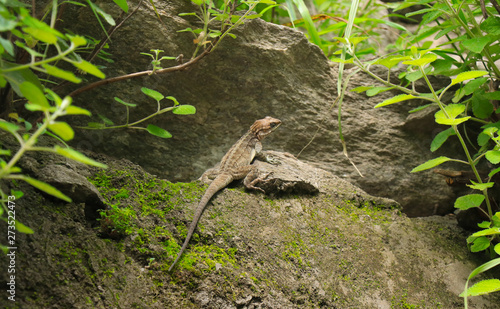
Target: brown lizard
236	164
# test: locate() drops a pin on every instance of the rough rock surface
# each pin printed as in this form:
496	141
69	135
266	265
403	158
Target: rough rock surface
338	248
267	70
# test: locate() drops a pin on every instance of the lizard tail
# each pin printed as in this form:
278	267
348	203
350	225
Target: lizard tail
217	184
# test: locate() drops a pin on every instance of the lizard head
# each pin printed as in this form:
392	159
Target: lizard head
263	127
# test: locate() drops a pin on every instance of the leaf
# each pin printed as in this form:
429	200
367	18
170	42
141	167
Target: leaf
34	94
480	244
473	85
417	109
106	120
45	187
430	164
7	45
75	110
109	19
425	59
184	110
491	25
77	40
396	99
361	89
469	201
481	107
173	99
466	76
476	45
9	127
125	103
63	130
55	71
497	249
122	4
453	110
481	186
157	131
77	156
152	93
487	232
376	90
493	156
16	78
440	138
23	228
483	287
89	68
493	172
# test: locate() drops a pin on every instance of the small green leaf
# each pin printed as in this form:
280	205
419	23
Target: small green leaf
77	156
481	107
396	99
9	127
361	89
75	110
483	287
493	172
376	90
45	187
34	94
157	131
425	59
391	61
481	186
5	152
493	156
430	164
473	85
466	76
173	99
63	130
484	224
105	15
106	120
7	45
55	71
77	40
41	34
96	125
89	68
125	103
152	93
480	244
469	201
453	110
440	138
497	249
487	232
476	45
122	4
23	228
184	110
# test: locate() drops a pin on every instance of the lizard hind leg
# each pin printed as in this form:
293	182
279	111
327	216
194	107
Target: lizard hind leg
254	178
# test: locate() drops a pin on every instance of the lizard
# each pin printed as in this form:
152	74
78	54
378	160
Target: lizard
235	165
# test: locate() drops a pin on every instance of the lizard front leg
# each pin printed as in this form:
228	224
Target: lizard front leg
252	178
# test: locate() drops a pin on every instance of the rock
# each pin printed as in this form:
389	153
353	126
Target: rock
267	70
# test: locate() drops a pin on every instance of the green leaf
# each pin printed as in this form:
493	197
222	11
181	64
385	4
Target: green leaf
157	131
34	94
493	156
77	156
483	287
493	172
376	90
481	107
122	4
473	85
466	76
469	201
63	130
425	59
480	244
9	127
453	110
497	249
417	109
173	99
125	103
484	224
77	40
45	187
396	99
430	164
152	93
487	232
7	45
75	110
481	186
440	138
5	152
361	89
476	45
109	19
55	71
23	228
89	68
491	25
184	110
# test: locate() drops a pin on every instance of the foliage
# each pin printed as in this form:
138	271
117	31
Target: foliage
468	52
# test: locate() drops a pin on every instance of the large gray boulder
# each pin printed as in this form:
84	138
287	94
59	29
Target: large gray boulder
267	70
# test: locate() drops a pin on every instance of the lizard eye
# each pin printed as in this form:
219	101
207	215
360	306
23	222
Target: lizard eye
273	124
